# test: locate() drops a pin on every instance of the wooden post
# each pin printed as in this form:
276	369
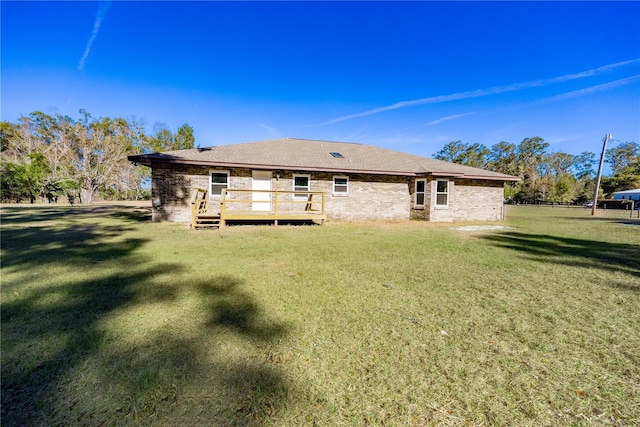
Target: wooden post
275	203
223	195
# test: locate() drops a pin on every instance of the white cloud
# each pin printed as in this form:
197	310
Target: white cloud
104	7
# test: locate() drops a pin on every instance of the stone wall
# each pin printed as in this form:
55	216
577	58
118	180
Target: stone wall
173	189
469	200
370	197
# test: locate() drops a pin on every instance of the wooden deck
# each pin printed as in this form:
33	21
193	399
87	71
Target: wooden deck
200	215
259	206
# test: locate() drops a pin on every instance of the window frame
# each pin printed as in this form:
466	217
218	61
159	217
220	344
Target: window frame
345	185
423	193
211	183
440	193
293	185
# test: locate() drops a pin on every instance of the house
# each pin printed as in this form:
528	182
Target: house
627	195
347	181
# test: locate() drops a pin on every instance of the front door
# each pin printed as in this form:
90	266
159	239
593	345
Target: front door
261	181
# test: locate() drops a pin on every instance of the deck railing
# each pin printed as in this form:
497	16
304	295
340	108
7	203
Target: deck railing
272	205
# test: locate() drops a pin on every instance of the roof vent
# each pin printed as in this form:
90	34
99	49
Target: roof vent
337	155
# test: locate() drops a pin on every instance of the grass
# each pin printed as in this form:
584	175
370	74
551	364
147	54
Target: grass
109	319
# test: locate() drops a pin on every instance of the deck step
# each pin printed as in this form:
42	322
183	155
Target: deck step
207	221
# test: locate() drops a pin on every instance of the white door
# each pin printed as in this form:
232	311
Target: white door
261	181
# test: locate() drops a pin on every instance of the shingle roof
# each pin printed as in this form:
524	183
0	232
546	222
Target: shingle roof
310	155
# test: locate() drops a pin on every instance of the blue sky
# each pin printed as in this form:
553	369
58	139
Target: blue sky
409	76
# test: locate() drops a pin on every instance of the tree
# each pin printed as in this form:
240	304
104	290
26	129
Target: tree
25	180
583	171
619	182
184	138
625	163
553	177
503	158
161	140
451	152
135	181
474	155
99	153
165	140
530	153
622	156
7	134
583	164
556	181
51	155
12	185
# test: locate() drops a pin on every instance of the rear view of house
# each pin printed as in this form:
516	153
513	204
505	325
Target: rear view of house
347	181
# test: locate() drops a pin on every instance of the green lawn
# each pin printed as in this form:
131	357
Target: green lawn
110	319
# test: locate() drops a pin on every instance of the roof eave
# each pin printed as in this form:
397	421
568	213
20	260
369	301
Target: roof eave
148	161
139	159
495	178
444	174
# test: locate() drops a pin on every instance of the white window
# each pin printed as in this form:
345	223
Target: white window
219	181
301	183
420	195
340	185
442	193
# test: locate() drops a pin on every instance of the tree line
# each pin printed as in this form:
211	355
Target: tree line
550	176
51	156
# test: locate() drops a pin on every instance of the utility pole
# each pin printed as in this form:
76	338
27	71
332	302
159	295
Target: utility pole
595	194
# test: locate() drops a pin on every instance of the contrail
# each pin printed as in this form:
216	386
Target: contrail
559	97
484	92
592	89
572	94
104	7
444	119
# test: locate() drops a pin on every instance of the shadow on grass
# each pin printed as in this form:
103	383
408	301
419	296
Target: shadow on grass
34	214
573	252
78	244
236	310
63	364
133	214
622	218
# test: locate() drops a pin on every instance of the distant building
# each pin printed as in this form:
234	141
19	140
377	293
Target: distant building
627	195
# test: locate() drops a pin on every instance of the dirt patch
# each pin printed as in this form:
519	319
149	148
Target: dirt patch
481	227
